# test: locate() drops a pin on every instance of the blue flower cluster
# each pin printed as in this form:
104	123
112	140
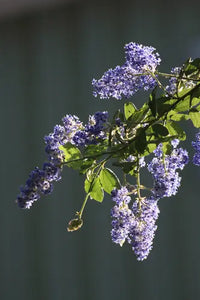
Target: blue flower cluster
132	76
196	145
40	181
142	233
94	131
122	216
136	225
164	170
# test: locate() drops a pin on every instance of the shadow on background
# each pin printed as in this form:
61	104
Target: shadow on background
47	62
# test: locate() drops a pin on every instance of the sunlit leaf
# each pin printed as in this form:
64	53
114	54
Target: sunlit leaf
71	153
109	180
129	109
195	118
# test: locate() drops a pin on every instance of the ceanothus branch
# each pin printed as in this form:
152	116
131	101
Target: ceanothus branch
133	140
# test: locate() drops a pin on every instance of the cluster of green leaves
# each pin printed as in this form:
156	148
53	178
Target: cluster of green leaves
98	177
138	132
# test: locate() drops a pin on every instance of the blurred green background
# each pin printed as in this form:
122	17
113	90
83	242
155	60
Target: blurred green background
48	57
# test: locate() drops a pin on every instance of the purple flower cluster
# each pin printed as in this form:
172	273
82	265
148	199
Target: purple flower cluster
196	145
164	170
72	131
132	76
122	216
39	182
142	233
136	225
94	131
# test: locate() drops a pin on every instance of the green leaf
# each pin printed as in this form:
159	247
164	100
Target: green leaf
162	109
192	66
167	147
190	94
153	103
175	130
86	164
163	105
129	109
139	115
126	166
160	130
183	105
108	180
195	102
87	185
195	118
184	90
96	192
196	92
71	152
94	189
95	149
140	142
174	116
150	148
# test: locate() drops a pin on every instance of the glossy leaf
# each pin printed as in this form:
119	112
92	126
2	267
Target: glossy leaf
96	192
71	153
178	116
86	164
129	109
87	185
109	180
191	66
139	115
126	166
150	148
183	105
93	150
153	102
160	130
167	147
94	189
140	142
175	130
195	118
